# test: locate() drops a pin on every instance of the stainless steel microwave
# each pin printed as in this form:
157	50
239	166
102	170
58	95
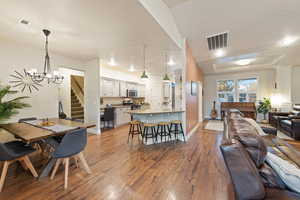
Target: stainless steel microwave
132	93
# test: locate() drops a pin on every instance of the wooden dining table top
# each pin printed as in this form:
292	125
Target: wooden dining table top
30	133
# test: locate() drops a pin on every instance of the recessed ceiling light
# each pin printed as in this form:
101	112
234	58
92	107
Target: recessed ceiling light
24	21
112	62
171	62
288	40
219	53
132	69
243	62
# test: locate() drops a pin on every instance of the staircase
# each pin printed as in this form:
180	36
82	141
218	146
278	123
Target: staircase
77	111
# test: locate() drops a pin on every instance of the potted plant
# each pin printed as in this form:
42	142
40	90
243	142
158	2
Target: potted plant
264	107
10	107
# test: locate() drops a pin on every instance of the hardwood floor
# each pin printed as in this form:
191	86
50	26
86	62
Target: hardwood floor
175	171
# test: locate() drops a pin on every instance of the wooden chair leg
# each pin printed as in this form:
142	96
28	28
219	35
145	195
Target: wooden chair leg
76	161
85	165
30	166
66	172
55	169
3	174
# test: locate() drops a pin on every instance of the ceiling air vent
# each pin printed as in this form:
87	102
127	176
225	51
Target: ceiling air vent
217	41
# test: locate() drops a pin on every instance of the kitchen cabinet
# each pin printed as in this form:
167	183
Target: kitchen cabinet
121	116
167	90
110	88
141	90
131	86
116	88
107	87
123	89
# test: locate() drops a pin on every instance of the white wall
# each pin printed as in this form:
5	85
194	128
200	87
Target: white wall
265	78
17	57
296	84
92	94
162	14
284	83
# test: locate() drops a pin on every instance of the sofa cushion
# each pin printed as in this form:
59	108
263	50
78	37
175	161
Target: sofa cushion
270	178
256	147
288	171
286	122
244	174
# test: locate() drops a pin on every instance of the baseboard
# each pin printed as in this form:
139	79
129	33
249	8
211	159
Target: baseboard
193	131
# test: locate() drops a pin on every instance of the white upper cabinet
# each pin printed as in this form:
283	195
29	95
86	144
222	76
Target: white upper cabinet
141	90
123	89
107	87
167	90
116	88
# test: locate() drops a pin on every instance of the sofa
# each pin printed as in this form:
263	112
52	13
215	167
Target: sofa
244	150
290	125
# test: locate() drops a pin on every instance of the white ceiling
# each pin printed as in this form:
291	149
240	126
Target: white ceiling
85	30
254	27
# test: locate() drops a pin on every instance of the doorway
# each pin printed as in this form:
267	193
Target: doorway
77	97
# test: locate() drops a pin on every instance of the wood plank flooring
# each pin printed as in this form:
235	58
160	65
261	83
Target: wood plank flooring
175	171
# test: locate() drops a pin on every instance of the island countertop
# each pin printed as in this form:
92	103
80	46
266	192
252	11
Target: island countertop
154	111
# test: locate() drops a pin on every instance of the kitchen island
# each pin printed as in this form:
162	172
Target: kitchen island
156	115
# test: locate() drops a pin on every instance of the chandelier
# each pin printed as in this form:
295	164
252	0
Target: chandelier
47	74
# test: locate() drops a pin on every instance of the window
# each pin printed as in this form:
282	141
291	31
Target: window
225	90
242	90
247	90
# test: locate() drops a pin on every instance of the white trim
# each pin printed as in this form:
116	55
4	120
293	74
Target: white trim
192	131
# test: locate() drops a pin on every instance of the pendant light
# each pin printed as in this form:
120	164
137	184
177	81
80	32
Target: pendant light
166	78
47	74
144	75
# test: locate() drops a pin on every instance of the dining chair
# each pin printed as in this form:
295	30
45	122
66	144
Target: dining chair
15	151
71	146
108	116
39	145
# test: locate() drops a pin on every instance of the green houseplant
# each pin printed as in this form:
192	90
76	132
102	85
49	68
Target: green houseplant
264	107
10	107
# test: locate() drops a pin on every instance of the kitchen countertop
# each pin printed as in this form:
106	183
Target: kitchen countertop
154	111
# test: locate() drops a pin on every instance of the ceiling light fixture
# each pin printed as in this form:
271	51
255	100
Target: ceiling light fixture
166	78
51	76
112	62
219	53
243	62
144	75
171	62
288	40
131	68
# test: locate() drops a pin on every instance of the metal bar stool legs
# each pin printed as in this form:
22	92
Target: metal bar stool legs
177	129
164	131
149	132
134	129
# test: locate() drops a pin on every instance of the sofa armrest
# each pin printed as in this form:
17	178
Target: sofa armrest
282	118
243	172
294	117
270	131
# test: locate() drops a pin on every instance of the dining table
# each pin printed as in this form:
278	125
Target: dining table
34	131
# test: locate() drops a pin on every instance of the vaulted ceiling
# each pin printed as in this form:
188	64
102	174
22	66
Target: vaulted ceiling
85	30
255	28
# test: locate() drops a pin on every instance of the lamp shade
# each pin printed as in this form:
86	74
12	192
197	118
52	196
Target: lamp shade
144	75
166	78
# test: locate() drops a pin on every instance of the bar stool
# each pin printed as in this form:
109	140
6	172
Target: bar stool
149	134
163	130
134	129
176	129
